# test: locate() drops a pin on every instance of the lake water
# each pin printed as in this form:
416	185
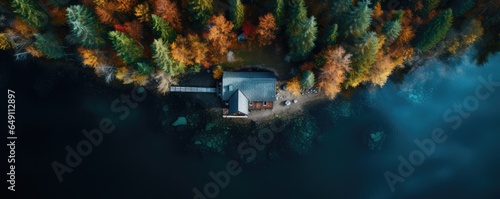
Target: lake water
139	160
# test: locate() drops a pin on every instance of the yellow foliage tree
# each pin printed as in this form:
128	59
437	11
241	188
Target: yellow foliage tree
92	58
22	28
4	42
293	86
217	73
142	12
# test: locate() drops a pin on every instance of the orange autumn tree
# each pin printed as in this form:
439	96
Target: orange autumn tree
190	50
293	86
333	73
220	35
168	11
134	29
266	29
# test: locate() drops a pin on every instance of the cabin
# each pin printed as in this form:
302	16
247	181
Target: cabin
243	92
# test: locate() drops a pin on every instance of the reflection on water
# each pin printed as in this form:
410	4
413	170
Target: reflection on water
140	161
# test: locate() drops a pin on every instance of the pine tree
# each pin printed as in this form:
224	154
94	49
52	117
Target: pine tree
84	26
460	7
162	29
331	37
435	30
301	31
279	12
429	6
307	79
31	12
126	47
201	10
339	9
163	58
144	68
363	59
392	29
359	19
236	12
49	45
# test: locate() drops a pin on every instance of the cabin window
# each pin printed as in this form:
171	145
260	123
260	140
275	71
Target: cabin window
264	103
250	103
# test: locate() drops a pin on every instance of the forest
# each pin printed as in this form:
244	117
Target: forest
333	45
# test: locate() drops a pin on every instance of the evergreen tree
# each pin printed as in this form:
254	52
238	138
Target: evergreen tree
339	9
162	29
307	80
126	47
163	58
359	19
460	7
31	12
435	30
331	37
301	31
236	12
49	45
392	29
84	26
363	59
201	10
144	68
429	6
279	12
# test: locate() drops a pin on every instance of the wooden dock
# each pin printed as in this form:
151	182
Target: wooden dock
187	89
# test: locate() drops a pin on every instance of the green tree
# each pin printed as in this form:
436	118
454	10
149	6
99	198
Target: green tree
201	10
331	37
144	68
279	12
340	8
429	6
392	29
307	80
301	31
30	12
84	26
363	59
236	13
162	29
460	7
163	58
126	47
434	31
49	45
359	19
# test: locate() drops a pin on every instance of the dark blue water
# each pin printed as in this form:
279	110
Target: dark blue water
140	160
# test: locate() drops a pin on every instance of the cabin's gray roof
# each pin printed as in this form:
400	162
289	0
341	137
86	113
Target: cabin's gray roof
256	86
238	103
